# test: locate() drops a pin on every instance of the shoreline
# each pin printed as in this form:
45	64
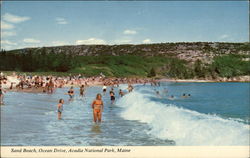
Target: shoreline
10	79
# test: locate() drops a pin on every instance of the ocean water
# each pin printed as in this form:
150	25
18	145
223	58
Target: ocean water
215	114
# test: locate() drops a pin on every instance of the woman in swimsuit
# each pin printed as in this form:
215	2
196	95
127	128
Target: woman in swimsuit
60	109
97	107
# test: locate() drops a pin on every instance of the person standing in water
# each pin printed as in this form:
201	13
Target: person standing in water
97	107
82	91
60	109
71	93
130	88
121	93
104	89
1	95
112	96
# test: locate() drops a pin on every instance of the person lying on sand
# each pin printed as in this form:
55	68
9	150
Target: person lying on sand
97	107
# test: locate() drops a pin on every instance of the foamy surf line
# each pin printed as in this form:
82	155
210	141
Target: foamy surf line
185	127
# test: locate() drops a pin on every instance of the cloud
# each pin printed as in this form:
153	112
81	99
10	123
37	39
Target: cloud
6	26
14	18
146	40
7	34
123	41
61	21
7	42
129	32
31	40
91	41
59	43
224	36
7	45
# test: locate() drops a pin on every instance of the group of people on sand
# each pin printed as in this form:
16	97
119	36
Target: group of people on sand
97	105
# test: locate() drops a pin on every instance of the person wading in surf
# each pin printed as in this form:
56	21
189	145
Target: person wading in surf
60	109
97	107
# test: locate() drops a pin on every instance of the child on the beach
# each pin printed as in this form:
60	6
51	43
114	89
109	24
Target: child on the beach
60	109
97	107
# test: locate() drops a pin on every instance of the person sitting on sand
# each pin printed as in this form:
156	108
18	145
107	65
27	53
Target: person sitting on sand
121	93
97	107
82	91
60	109
112	96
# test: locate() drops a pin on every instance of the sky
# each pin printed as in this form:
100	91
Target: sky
52	23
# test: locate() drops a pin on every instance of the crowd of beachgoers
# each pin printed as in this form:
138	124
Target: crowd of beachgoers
47	84
29	83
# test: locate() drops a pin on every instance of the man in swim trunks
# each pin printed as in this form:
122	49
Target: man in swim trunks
60	109
97	107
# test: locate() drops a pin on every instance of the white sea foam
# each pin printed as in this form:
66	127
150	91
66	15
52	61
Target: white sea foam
185	127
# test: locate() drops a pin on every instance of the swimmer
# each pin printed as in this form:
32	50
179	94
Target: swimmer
158	94
121	93
60	109
97	107
184	95
165	90
171	97
82	91
112	96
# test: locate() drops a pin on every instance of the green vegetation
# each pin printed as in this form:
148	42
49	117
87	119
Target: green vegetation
63	62
231	65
